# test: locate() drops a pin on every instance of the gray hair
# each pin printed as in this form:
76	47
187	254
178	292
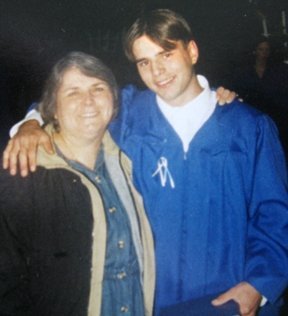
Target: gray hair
86	64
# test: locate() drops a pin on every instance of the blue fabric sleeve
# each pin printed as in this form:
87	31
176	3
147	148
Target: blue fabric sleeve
267	253
33	106
118	127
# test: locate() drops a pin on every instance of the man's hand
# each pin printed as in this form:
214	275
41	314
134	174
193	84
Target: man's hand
22	148
225	96
247	297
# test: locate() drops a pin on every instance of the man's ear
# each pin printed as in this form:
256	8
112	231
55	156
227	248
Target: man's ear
193	52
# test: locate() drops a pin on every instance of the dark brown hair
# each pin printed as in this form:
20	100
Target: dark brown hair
162	26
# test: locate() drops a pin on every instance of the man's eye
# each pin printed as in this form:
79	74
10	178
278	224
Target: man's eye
143	63
167	54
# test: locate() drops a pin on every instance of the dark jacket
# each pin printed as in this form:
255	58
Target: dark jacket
49	262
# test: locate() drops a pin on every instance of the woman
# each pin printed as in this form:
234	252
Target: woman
254	81
74	238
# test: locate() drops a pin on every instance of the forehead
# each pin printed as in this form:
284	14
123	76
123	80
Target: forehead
144	46
263	45
74	77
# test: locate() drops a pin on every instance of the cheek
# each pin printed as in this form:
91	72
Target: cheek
110	112
64	112
108	108
107	111
176	65
144	74
58	112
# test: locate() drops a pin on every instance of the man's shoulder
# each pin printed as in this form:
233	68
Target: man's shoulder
131	95
136	105
244	118
134	89
241	111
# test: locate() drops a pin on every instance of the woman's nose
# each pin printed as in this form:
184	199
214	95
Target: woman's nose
88	98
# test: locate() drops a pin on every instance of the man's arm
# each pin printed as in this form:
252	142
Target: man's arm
32	114
22	147
247	297
225	96
28	135
266	274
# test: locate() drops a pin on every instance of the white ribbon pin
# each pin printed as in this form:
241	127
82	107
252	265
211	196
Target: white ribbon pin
164	173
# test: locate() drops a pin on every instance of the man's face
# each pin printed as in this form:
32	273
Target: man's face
168	73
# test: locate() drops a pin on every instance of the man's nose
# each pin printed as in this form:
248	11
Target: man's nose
157	68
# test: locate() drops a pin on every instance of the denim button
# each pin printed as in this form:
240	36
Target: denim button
98	179
112	209
124	309
121	275
121	244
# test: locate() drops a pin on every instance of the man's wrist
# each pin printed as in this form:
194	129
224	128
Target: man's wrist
32	115
31	123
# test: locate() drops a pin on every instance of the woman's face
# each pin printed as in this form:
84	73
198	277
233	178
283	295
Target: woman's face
263	50
84	105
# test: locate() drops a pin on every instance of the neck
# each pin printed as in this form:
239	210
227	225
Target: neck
193	89
260	67
84	152
197	89
261	62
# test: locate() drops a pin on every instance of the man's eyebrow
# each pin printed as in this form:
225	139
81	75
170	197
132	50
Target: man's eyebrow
164	51
139	60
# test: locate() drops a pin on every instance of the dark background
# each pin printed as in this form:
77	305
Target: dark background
36	33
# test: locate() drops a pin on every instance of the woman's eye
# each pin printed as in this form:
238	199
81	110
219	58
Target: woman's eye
98	89
72	94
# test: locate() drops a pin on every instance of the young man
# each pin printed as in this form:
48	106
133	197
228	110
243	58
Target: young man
213	178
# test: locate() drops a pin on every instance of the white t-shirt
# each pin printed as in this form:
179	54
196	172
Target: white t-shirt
186	120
